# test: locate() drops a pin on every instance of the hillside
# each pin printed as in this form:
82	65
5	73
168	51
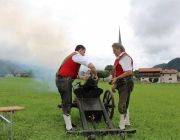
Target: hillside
173	64
160	66
9	67
5	68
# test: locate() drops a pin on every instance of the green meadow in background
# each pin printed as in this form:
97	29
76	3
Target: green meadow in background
154	111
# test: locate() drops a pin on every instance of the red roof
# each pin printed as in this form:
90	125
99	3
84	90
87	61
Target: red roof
169	71
157	70
150	69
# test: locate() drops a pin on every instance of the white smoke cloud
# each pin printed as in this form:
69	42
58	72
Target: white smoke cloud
32	38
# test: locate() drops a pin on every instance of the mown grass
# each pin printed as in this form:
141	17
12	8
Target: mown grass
154	111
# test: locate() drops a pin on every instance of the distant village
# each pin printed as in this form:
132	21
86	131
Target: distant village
18	73
154	75
146	75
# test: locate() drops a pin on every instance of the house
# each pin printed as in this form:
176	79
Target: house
9	75
157	75
169	76
20	73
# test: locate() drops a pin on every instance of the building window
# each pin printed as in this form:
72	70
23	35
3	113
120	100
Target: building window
170	78
170	74
162	74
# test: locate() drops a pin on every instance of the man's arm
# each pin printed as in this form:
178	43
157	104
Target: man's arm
84	61
125	74
93	70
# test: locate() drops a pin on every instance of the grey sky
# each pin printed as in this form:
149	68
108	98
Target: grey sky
156	27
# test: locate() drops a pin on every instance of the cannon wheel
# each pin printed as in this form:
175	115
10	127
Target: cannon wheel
108	101
91	137
122	136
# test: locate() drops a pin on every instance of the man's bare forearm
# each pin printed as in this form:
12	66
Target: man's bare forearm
93	69
125	74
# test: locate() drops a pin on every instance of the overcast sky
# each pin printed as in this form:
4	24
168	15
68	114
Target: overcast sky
43	32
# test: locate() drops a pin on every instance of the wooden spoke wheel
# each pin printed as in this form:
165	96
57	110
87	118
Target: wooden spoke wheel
108	101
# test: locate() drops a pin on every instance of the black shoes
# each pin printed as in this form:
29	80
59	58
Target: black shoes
73	125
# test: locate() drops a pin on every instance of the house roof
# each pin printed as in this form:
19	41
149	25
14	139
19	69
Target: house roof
169	71
157	70
150	69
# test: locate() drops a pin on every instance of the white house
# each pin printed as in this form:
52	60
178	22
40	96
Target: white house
169	76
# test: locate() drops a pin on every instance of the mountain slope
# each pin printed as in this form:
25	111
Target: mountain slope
172	64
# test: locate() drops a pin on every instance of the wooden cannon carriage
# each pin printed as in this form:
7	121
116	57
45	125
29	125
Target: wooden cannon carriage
93	109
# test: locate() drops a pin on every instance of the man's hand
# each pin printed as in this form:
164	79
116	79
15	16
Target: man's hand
95	77
114	88
113	81
93	70
83	77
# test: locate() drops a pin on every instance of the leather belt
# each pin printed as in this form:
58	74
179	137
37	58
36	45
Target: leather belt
61	77
65	78
124	79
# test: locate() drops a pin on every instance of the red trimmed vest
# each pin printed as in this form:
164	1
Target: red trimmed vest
117	70
69	68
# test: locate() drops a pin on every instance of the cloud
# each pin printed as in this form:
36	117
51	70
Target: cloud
156	27
157	18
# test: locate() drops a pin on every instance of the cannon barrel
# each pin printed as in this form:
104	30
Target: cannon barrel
89	89
90	84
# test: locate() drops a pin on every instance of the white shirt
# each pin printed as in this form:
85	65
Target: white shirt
125	62
78	58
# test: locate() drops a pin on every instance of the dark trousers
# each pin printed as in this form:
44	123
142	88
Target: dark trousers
64	86
124	87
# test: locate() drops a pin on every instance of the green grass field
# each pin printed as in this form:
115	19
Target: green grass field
154	111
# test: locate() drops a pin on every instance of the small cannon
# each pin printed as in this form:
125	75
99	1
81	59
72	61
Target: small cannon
92	108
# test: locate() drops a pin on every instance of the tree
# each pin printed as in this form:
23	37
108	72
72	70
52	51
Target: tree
137	74
31	73
109	68
99	74
103	74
